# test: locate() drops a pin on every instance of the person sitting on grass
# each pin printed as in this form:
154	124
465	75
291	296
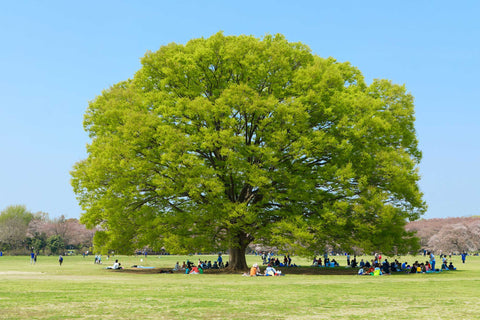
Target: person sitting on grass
451	267
424	267
419	268
270	271
117	265
413	268
276	262
177	267
399	265
370	271
394	266
354	262
427	267
196	270
385	267
444	265
362	263
255	270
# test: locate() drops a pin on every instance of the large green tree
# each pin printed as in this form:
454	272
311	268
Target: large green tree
56	244
231	140
14	222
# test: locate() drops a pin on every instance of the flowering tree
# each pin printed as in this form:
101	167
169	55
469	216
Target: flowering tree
449	234
71	231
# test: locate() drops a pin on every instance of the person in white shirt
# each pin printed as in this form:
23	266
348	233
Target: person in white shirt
116	265
270	271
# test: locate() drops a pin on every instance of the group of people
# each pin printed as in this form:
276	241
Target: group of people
268	259
98	259
33	258
191	268
325	263
373	267
269	271
376	267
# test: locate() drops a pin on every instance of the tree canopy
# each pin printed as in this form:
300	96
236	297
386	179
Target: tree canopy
230	140
14	222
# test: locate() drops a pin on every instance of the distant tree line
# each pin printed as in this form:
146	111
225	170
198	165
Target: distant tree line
448	235
22	232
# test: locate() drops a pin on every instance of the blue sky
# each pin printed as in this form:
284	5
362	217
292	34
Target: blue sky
55	56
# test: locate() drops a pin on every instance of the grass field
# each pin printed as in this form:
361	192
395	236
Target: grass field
80	289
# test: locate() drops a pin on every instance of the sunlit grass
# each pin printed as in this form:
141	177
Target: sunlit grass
80	289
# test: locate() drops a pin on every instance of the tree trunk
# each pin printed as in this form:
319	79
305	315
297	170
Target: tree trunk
239	241
237	261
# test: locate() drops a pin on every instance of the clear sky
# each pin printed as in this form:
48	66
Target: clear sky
55	56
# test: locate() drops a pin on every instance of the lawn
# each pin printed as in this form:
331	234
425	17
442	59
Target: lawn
80	289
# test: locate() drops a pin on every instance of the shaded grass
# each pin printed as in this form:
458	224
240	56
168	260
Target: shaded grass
82	290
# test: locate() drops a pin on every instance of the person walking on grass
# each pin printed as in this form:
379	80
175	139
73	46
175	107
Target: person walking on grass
60	260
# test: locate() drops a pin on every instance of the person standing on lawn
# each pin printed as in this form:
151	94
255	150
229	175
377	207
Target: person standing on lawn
432	260
464	256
